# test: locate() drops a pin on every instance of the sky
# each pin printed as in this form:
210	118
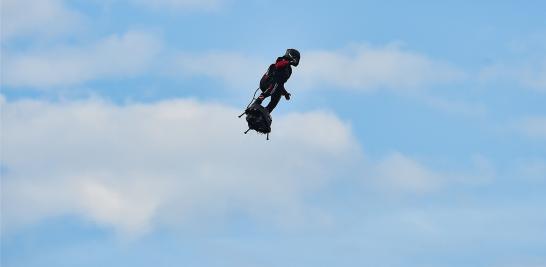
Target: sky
415	135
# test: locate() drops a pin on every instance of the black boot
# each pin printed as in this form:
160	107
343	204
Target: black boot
258	101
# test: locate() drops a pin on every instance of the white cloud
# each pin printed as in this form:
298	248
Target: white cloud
180	4
531	75
531	169
360	68
401	173
37	18
235	69
534	127
113	57
135	166
367	68
454	106
166	5
47	18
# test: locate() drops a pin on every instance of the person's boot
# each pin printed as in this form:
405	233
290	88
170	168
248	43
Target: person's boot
258	101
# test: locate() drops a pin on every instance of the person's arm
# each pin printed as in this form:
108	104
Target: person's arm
285	93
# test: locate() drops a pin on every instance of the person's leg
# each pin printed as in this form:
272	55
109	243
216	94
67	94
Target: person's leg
261	98
265	93
273	103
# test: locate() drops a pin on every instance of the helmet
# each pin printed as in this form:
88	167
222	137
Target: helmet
293	56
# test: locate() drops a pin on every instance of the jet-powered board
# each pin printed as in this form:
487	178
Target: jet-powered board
258	118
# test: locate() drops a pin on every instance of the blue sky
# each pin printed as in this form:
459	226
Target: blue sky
415	136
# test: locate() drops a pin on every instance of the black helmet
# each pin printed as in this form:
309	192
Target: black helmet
293	56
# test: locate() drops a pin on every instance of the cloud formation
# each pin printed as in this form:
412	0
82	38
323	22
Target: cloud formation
530	75
135	166
37	18
358	68
234	69
115	56
369	68
179	4
399	174
534	127
47	18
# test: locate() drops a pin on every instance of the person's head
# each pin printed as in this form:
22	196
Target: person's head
293	56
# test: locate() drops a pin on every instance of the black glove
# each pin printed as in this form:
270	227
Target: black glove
287	96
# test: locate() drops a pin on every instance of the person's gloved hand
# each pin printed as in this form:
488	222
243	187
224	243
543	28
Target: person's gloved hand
287	96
